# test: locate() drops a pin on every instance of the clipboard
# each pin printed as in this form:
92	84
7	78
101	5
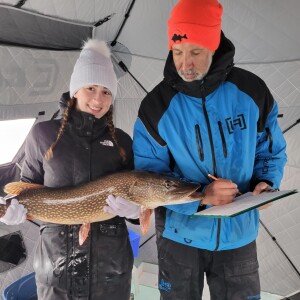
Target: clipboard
244	203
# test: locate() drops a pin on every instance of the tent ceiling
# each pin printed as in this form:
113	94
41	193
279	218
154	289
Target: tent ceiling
24	28
263	31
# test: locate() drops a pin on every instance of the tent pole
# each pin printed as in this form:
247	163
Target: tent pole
126	70
275	241
147	240
297	122
113	43
20	3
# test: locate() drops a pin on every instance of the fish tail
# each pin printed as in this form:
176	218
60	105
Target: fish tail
18	187
144	216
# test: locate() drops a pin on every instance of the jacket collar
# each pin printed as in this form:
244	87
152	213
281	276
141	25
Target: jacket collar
221	65
86	124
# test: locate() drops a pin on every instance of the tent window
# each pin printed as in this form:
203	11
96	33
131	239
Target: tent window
12	136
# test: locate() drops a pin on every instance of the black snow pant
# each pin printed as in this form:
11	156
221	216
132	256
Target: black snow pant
231	274
100	269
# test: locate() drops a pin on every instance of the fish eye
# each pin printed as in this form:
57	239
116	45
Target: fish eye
168	184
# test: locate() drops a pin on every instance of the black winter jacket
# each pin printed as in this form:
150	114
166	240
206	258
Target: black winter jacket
85	152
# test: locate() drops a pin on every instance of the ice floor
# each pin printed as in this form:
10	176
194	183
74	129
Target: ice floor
144	285
148	293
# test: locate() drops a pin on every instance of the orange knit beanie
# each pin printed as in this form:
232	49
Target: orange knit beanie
196	22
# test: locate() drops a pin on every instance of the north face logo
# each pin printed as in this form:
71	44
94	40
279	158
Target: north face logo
107	143
238	122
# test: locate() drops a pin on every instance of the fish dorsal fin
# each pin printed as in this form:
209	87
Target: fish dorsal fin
18	187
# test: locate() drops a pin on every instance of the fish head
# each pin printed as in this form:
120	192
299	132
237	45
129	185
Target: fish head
158	190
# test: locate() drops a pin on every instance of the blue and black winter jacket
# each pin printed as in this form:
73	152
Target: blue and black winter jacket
226	125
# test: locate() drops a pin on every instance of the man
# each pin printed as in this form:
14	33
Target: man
207	116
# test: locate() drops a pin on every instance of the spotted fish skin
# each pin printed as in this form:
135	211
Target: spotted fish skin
84	203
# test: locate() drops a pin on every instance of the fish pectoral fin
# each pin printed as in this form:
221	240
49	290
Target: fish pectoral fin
144	216
18	187
84	232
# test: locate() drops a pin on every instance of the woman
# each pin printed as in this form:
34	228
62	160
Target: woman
82	146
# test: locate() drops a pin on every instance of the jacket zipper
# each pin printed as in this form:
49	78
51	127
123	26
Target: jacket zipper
223	139
199	142
270	138
213	156
210	137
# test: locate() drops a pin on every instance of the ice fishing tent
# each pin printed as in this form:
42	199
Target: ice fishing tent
39	42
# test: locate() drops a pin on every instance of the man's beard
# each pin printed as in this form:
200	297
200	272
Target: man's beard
199	76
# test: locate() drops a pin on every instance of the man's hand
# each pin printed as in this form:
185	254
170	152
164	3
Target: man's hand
260	188
121	207
220	192
15	213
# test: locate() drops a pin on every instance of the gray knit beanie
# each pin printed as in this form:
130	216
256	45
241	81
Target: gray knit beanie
94	67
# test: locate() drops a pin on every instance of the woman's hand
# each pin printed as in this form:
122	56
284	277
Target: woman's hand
121	207
15	213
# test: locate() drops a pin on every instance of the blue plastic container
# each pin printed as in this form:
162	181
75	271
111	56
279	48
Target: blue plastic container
135	242
22	289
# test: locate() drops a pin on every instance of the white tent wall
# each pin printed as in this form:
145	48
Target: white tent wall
267	39
33	80
282	221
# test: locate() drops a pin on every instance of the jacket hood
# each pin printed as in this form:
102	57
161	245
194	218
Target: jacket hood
221	65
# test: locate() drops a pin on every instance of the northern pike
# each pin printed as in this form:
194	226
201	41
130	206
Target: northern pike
83	204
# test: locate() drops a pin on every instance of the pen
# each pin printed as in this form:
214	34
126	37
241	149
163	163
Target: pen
212	177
